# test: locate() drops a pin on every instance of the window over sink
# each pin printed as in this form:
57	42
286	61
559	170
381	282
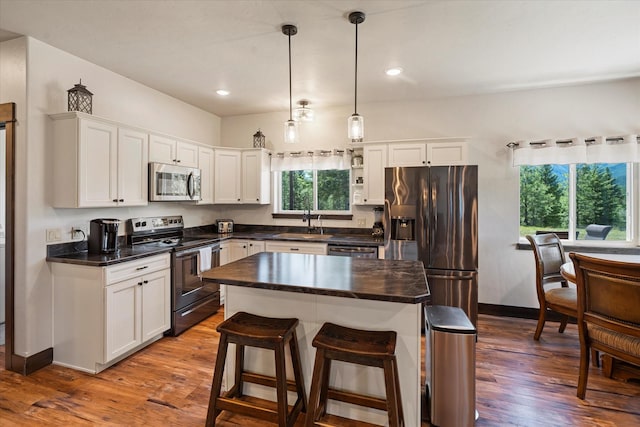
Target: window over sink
322	191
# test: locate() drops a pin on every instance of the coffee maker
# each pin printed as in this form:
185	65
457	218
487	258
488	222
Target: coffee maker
378	229
103	235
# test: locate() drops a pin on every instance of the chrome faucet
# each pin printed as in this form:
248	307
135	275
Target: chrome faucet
320	224
307	217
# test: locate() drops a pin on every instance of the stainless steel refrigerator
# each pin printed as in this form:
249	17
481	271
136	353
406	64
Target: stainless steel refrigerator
431	214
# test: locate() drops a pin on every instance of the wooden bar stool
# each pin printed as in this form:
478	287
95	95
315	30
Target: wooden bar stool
244	329
370	348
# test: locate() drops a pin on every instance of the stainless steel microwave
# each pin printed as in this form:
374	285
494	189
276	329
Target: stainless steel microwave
173	183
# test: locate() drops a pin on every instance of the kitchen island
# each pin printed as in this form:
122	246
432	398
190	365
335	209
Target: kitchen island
353	292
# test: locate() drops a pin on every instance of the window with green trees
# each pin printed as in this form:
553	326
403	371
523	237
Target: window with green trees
317	190
570	198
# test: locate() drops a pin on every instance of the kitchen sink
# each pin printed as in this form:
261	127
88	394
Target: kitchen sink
303	236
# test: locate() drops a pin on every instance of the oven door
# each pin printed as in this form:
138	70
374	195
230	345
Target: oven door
188	286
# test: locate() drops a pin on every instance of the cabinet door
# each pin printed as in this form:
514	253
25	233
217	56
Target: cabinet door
413	154
186	154
447	153
238	250
98	164
375	160
132	167
256	177
122	317
224	253
255	247
227	176
156	304
205	163
162	149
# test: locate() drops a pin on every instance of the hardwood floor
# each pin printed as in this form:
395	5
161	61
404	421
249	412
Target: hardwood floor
520	382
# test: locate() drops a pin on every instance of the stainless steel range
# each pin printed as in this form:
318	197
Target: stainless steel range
192	300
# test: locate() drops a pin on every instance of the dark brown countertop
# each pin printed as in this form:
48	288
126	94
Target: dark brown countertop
382	280
124	254
127	253
332	239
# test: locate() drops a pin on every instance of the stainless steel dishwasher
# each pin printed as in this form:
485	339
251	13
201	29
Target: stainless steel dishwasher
353	251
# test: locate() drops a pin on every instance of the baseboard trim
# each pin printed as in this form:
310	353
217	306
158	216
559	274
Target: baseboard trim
518	312
28	365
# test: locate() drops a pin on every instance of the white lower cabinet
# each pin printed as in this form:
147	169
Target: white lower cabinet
296	247
233	250
103	314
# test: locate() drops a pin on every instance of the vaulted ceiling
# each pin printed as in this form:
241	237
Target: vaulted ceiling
190	48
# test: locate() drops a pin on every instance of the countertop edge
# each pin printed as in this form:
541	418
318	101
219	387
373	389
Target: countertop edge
325	292
85	258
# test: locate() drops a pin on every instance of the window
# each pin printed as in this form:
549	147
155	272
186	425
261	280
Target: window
582	201
317	190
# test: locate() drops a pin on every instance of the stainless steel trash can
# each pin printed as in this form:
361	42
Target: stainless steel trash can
450	362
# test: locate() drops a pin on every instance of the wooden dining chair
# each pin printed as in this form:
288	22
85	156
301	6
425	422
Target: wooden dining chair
608	314
549	256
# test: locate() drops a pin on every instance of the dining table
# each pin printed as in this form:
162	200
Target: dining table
568	272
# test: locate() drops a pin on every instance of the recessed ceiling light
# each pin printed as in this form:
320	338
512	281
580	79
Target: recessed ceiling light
222	92
393	71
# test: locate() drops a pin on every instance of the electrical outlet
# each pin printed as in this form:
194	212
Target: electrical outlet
54	235
78	231
362	222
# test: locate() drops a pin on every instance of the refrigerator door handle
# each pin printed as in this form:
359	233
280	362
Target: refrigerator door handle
438	276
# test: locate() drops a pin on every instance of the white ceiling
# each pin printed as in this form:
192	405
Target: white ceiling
190	48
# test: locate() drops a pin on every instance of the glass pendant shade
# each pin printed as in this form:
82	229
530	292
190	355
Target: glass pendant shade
291	135
355	125
303	113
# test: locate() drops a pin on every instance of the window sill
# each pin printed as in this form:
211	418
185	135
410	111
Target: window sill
339	217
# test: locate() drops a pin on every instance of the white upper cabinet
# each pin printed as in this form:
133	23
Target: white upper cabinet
242	176
228	176
407	154
428	153
256	177
374	162
206	166
165	149
97	163
447	153
132	167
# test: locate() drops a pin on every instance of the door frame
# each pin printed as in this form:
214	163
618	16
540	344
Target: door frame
8	118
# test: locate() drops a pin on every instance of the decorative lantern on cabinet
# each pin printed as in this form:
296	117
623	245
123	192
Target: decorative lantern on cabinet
79	98
258	139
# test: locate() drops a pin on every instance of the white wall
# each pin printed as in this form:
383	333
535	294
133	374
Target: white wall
506	276
47	73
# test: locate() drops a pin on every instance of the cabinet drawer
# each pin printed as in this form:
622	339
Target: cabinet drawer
297	247
130	269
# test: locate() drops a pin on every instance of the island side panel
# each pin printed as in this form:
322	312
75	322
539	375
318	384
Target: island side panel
313	311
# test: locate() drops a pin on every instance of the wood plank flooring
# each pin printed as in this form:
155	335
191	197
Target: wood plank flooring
520	382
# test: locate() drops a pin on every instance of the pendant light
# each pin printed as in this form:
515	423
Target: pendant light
290	126
355	123
303	113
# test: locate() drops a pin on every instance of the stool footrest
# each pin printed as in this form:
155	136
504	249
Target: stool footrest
357	399
266	380
246	408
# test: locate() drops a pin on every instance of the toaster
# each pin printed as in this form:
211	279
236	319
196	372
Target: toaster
225	225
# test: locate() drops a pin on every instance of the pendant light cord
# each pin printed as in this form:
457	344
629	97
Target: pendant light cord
355	96
290	92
